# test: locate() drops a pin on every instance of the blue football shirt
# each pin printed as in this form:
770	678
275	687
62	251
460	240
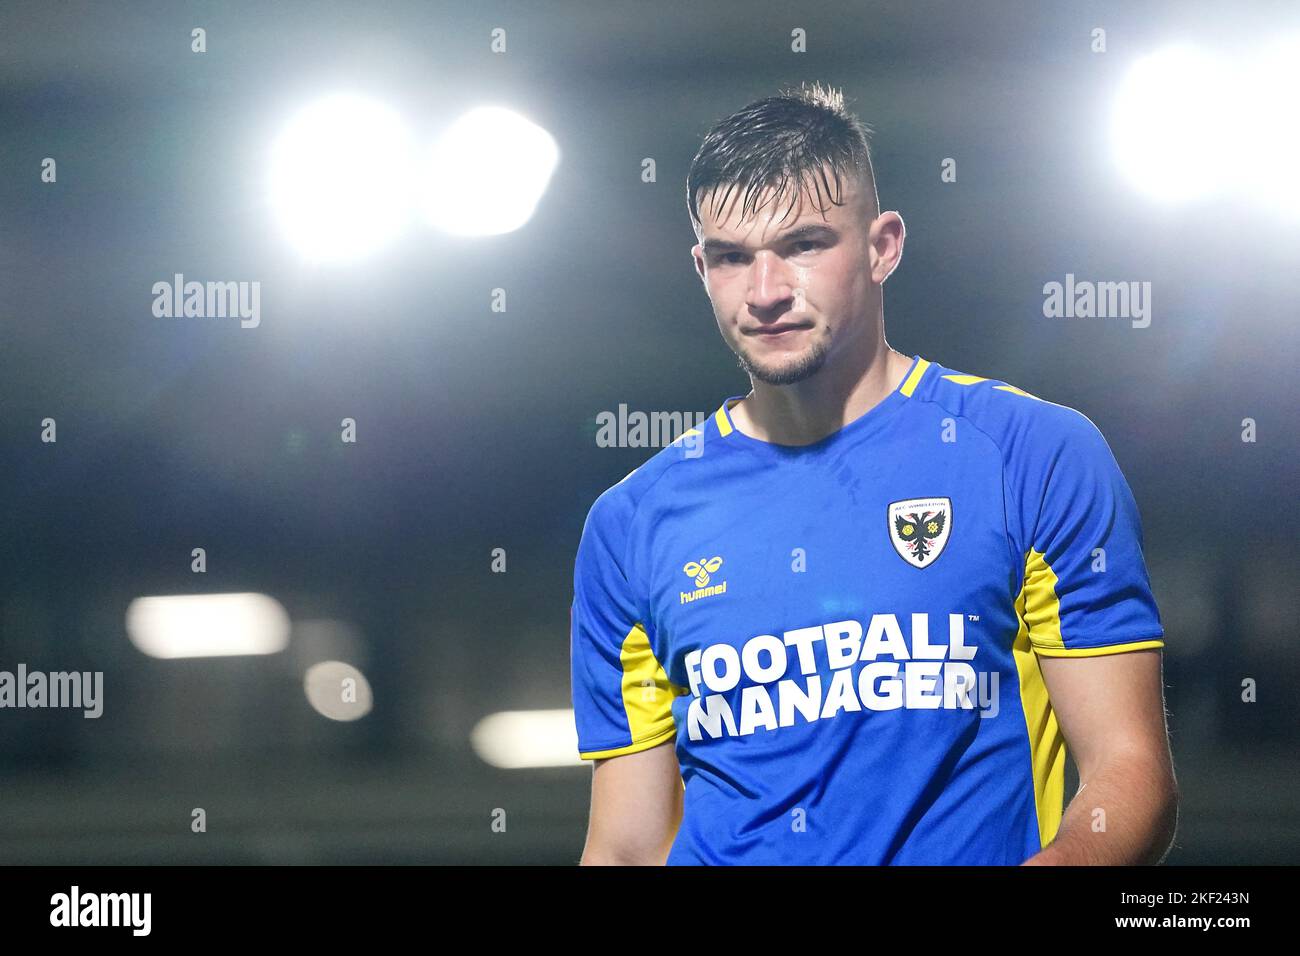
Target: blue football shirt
841	639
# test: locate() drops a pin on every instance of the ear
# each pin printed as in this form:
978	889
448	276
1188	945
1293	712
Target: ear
697	256
887	235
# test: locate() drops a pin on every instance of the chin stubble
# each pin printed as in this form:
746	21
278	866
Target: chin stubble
805	364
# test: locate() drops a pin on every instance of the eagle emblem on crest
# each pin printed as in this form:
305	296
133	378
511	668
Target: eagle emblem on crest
919	529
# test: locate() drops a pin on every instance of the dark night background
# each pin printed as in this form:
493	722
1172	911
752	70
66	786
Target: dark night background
476	428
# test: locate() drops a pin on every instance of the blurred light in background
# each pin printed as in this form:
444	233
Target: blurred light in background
340	178
1189	124
515	739
1267	111
1164	130
207	625
488	172
338	691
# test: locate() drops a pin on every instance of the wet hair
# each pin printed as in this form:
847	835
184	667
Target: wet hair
779	142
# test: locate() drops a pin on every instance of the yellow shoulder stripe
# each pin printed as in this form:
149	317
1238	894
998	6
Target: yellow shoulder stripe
1015	391
909	383
720	416
973	379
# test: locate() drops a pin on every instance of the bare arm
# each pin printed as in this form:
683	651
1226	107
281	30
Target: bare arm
1111	711
636	806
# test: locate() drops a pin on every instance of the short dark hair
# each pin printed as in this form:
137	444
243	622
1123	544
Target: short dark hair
792	136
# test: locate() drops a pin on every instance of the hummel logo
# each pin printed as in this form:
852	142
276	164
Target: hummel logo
700	571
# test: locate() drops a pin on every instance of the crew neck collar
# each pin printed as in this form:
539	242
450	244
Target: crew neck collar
866	423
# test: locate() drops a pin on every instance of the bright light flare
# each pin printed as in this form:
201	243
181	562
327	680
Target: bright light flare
340	178
1269	126
1165	132
337	690
207	625
488	172
516	739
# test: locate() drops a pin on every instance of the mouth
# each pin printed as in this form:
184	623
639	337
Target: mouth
778	330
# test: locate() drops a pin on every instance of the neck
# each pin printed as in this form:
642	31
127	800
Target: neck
808	411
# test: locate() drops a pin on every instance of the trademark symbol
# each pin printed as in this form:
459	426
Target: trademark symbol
972	617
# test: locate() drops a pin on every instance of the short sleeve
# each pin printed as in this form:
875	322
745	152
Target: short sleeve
622	699
1086	589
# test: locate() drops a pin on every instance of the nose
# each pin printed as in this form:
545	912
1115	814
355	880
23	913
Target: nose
769	282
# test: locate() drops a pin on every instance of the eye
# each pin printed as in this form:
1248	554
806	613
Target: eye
808	242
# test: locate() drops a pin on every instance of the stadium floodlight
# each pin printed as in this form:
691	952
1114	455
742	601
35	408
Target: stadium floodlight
207	625
487	173
517	739
1165	132
340	178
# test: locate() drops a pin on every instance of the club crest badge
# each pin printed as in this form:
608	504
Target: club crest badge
919	529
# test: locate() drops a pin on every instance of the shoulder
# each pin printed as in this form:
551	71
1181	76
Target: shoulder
655	481
1020	423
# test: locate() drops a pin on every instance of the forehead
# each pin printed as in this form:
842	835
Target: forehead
772	212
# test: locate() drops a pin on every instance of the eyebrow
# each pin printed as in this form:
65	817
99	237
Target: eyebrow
811	230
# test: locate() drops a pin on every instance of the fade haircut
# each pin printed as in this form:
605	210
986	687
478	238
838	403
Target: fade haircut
781	143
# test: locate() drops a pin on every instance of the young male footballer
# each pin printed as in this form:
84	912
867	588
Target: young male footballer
857	615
